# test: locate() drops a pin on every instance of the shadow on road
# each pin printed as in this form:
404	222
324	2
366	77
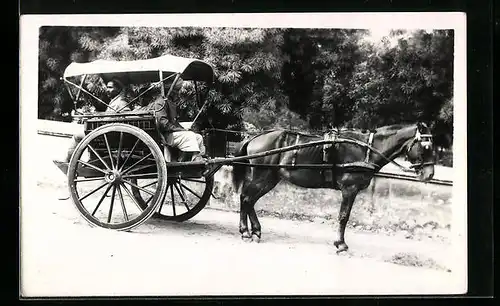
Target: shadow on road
197	227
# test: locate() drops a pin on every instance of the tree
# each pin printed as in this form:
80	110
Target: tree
58	47
307	78
408	80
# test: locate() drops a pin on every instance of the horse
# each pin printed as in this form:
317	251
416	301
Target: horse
355	157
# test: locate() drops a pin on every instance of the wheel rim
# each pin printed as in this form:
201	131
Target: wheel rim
121	158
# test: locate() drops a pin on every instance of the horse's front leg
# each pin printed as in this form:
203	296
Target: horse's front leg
245	234
348	195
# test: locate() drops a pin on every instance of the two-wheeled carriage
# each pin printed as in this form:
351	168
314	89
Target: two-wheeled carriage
123	171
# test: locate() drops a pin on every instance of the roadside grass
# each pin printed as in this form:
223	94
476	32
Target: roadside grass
415	260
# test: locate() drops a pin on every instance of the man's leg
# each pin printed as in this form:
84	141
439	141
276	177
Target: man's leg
187	143
201	144
74	142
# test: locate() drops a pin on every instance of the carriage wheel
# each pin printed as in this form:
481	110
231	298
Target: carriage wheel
101	187
184	198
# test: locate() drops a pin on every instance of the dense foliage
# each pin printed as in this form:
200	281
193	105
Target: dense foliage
308	79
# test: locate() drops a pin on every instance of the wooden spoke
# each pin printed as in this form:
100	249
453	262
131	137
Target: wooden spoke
194	180
120	195
142	168
138	187
184	201
99	157
163	202
88	179
109	151
112	203
150	184
102	198
139	161
92	192
132	196
91	166
129	154
119	150
189	189
129	176
173	200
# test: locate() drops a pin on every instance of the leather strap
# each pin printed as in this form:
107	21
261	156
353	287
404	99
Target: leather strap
295	151
370	142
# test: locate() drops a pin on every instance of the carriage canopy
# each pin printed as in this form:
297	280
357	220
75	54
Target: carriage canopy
144	71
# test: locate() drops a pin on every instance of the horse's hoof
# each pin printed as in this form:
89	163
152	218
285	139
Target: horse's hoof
255	238
341	246
342	249
246	237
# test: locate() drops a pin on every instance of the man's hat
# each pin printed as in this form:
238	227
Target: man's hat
117	82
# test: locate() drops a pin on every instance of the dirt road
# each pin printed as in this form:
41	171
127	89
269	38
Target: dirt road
61	255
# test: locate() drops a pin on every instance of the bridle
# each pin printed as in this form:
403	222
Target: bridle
425	140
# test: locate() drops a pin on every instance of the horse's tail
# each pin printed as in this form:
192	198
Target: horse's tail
240	171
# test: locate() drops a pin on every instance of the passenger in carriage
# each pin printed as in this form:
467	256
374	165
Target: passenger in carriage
115	89
189	143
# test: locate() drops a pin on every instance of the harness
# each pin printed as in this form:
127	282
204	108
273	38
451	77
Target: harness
294	156
333	137
370	143
425	140
329	136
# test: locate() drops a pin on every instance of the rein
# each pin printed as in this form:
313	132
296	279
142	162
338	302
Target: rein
371	148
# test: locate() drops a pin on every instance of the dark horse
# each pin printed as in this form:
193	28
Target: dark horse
262	174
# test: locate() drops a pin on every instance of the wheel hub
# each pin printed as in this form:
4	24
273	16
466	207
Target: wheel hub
112	176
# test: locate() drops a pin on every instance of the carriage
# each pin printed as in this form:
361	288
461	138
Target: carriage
124	153
123	171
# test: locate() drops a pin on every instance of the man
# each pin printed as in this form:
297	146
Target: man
116	92
188	142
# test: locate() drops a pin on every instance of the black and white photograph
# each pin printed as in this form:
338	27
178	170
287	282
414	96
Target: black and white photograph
185	155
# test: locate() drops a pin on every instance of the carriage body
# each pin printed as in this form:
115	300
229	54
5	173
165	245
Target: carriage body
121	149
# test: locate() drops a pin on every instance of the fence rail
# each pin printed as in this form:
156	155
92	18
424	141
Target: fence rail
412	178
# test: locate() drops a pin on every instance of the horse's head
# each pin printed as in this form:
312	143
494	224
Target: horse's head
420	153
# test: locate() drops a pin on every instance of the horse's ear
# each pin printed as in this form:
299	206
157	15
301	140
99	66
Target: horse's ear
421	126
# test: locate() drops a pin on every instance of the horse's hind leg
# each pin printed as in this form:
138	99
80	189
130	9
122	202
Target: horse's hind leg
245	234
263	182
